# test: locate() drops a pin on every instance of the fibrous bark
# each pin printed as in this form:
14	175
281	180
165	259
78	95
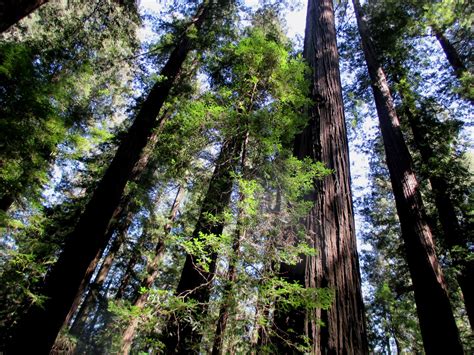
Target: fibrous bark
438	327
330	223
42	324
455	234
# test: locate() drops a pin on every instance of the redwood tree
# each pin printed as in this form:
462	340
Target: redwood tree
438	327
455	230
42	324
195	281
330	223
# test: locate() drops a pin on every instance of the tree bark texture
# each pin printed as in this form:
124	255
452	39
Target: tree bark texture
195	282
42	324
455	235
12	11
438	328
330	223
152	273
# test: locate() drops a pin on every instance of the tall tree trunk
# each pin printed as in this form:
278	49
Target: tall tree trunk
12	11
42	324
94	289
152	271
195	281
232	268
125	210
330	223
438	328
227	296
455	235
135	256
450	51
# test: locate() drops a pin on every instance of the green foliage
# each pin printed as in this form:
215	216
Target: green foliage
61	72
57	75
66	69
203	247
293	296
31	126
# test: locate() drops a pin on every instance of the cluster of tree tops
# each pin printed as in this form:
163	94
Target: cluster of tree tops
191	193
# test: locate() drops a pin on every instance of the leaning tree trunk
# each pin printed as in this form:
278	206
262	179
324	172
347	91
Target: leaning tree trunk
93	292
455	234
195	282
12	11
42	324
450	51
438	328
124	214
152	273
330	223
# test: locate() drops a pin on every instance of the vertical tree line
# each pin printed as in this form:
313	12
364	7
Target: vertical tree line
330	224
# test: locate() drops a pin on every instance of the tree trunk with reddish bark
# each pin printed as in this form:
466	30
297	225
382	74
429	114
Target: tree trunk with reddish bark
455	235
42	324
195	281
438	327
330	223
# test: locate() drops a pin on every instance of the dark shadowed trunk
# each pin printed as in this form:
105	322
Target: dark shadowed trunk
42	324
12	11
195	281
227	294
6	202
450	51
120	228
455	235
122	218
152	272
438	328
330	223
